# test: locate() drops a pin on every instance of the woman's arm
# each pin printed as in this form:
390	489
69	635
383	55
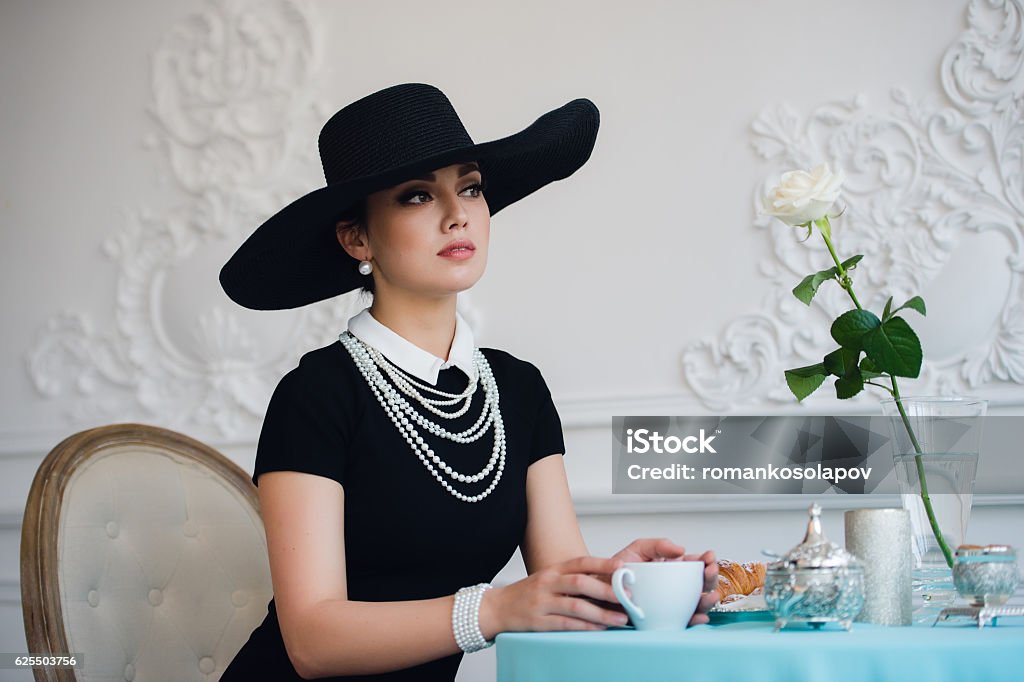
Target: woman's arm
553	535
552	530
324	633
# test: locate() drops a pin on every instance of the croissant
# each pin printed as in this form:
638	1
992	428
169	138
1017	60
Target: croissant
739	579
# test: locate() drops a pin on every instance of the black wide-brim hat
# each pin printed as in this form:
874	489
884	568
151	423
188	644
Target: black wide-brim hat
379	141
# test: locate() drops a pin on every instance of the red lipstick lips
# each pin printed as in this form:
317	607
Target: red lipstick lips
458	249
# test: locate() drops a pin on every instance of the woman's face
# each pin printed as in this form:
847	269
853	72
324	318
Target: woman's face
411	230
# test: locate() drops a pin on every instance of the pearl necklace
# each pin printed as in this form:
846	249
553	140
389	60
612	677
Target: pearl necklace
408	385
370	362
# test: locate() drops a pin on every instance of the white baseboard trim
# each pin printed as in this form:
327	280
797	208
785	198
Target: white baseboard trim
618	505
11	520
10	593
577	412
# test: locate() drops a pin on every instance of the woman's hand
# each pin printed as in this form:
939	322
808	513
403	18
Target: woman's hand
663	549
554	598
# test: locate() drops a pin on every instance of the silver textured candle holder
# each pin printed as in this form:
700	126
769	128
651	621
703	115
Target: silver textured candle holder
880	538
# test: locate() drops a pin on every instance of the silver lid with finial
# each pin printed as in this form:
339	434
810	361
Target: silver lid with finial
815	551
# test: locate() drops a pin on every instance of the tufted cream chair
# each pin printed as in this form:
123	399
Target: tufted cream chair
144	550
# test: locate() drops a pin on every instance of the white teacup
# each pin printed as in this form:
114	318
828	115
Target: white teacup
665	594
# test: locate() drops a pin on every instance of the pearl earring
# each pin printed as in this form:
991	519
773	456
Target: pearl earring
365	267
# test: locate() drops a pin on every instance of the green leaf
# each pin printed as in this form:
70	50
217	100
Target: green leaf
840	361
915	303
868	371
851	262
894	348
888	310
809	285
803	381
850	328
849	385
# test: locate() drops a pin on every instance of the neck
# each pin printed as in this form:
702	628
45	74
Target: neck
429	324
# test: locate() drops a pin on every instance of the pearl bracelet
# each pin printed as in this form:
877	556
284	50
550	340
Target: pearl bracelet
466	618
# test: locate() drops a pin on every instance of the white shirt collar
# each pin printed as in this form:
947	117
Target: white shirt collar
410	357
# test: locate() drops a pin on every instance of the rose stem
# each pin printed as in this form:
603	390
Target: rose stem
847	284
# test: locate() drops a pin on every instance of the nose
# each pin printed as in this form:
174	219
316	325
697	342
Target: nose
455	213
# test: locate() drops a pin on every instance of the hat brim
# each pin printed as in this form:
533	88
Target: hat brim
294	258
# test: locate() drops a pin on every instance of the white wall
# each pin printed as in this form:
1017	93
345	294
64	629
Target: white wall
646	284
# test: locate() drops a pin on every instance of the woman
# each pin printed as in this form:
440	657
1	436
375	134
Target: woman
399	469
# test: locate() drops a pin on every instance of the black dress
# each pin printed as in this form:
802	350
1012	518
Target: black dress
323	419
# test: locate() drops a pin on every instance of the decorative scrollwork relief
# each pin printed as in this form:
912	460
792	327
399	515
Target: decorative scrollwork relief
919	178
234	110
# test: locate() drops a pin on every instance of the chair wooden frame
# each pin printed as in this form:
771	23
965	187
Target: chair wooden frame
40	594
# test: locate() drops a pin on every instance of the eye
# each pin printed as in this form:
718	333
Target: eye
414	197
475	190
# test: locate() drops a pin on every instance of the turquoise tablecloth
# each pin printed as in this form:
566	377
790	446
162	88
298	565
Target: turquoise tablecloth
752	652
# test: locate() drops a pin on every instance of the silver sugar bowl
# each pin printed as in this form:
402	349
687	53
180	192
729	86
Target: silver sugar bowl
985	576
816	582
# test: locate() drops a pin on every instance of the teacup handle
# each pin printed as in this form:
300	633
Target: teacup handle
627	575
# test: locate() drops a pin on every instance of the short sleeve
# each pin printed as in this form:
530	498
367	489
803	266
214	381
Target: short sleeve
304	429
547	428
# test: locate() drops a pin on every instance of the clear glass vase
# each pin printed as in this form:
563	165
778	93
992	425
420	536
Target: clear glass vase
936	443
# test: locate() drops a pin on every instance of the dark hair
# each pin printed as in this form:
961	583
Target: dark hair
356	215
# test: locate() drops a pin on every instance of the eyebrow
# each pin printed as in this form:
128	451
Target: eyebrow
465	169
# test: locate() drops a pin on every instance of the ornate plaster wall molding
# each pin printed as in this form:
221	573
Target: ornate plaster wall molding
919	177
233	111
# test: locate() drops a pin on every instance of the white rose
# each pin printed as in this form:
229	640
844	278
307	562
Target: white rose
802	197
